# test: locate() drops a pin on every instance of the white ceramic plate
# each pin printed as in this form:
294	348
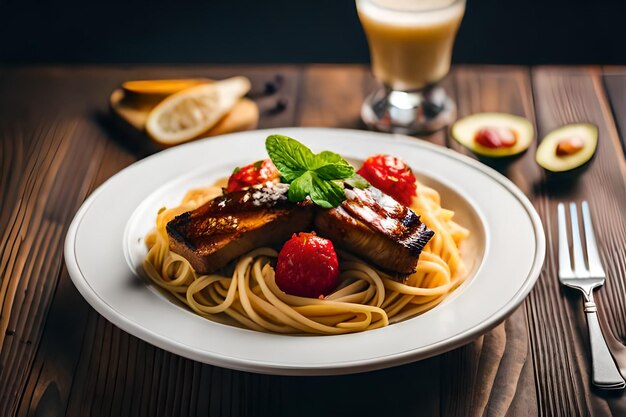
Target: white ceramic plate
104	250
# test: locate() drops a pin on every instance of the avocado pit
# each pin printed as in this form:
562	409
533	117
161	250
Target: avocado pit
569	146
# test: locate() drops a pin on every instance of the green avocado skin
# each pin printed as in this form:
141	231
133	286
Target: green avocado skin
500	162
570	174
546	156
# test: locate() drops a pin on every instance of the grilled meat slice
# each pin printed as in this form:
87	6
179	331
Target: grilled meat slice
376	227
230	225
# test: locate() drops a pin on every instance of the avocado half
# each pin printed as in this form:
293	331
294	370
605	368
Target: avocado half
548	158
464	131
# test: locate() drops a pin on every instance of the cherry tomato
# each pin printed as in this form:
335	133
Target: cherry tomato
390	175
307	266
257	173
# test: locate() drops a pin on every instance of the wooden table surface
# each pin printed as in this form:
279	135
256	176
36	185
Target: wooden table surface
59	357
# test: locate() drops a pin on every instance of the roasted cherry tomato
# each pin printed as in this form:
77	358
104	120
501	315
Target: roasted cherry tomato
390	175
307	266
259	172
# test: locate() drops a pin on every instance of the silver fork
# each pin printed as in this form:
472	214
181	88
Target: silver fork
605	373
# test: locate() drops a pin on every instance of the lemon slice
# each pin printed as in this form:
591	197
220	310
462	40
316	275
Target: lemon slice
189	113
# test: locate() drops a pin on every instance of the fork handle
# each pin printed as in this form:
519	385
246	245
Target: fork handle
604	371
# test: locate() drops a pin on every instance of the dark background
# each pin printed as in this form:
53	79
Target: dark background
260	31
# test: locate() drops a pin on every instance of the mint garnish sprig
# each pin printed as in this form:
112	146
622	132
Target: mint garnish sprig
318	176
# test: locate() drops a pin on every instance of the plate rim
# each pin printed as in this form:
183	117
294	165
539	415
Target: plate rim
329	368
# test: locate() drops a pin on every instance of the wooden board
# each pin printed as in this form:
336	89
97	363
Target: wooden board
59	357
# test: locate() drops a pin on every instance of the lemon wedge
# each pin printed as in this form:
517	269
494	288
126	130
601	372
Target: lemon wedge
189	113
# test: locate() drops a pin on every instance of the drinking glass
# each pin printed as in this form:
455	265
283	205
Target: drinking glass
410	44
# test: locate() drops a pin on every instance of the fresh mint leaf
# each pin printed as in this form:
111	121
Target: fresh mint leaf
357	181
335	171
326	194
331	166
292	159
301	187
328	157
318	176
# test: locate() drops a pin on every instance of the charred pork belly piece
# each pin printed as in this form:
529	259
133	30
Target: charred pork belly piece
235	223
376	227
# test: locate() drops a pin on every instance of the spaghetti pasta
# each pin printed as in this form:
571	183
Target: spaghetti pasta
366	298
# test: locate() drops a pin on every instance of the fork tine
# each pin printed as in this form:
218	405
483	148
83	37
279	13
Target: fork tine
565	269
579	259
595	267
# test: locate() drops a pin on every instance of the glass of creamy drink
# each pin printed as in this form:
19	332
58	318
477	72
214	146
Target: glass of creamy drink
410	45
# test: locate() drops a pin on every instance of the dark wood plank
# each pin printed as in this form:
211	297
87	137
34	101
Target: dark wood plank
332	95
60	357
44	192
557	324
573	100
58	142
615	83
494	374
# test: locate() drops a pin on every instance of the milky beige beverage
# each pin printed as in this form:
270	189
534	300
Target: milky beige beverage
410	40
